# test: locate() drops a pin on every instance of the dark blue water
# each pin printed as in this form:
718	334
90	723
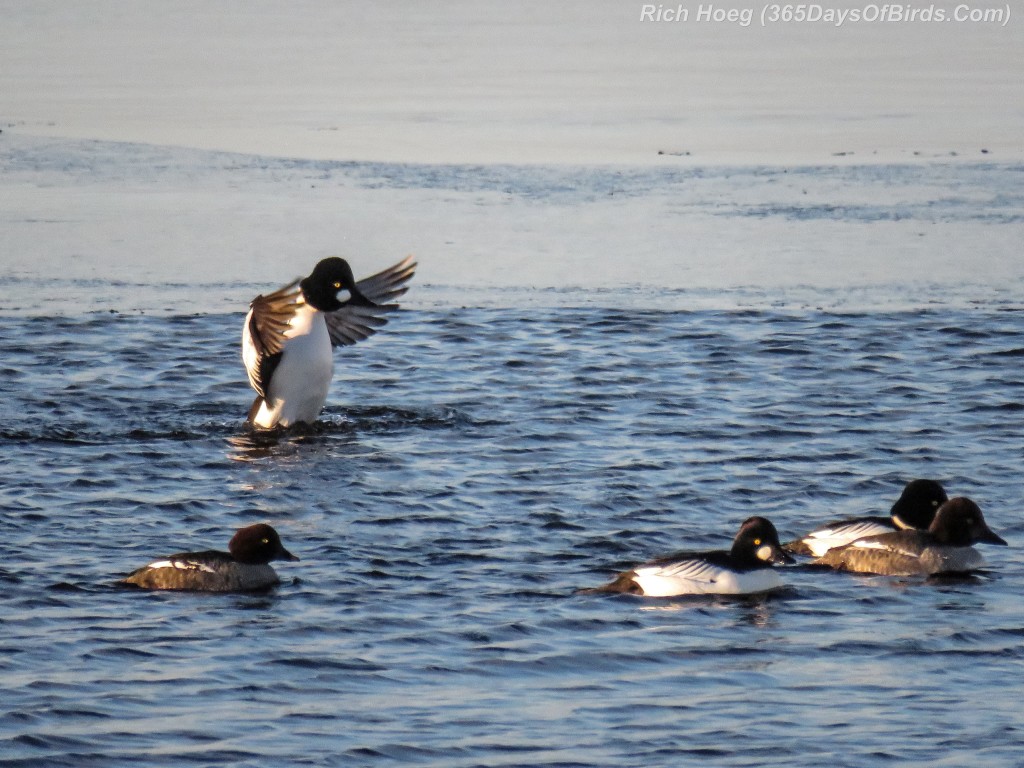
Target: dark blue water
474	467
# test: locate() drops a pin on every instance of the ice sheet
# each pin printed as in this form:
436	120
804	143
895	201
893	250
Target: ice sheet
580	81
523	147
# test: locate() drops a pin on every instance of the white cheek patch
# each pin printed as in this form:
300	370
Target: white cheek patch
764	553
344	295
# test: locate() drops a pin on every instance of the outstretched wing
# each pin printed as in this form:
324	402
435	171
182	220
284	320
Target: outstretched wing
353	323
263	333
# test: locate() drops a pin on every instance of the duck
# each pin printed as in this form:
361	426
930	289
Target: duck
914	509
243	568
744	569
946	547
288	336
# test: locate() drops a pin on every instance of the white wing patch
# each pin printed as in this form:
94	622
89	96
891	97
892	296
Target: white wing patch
824	539
871	544
858	529
690	570
886	546
181	565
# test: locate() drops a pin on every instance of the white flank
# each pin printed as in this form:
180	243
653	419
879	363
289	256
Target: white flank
695	577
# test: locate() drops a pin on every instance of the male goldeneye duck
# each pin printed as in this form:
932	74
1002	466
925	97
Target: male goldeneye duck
915	508
944	548
744	569
243	568
289	334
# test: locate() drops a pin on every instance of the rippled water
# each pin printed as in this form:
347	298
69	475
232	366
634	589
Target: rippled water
473	469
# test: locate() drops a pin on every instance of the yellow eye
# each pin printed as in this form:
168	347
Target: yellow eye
264	541
337	286
757	542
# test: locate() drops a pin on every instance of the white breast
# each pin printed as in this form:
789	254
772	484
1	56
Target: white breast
299	385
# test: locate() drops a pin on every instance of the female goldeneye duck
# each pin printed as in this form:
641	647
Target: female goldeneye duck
744	569
915	509
288	335
243	568
944	548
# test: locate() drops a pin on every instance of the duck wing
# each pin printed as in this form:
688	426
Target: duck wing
186	561
355	322
697	569
890	554
837	534
263	334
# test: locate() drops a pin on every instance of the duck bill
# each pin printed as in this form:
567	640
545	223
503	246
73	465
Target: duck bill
284	554
359	300
781	557
990	537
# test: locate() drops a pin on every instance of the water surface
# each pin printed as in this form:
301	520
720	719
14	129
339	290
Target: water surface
474	467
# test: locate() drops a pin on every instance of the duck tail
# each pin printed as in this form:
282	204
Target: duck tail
797	547
623	584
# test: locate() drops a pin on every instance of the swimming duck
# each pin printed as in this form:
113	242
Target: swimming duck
288	335
744	569
243	568
915	509
944	548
